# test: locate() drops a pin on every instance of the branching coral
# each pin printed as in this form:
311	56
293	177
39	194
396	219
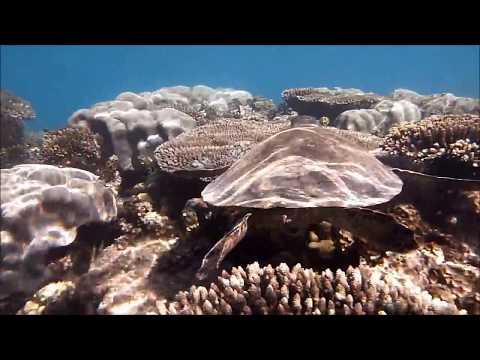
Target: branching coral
300	291
78	148
71	147
452	138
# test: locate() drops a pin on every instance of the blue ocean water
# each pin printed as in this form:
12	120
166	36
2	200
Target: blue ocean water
58	80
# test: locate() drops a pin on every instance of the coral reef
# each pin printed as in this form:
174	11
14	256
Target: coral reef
122	130
96	227
439	104
299	291
319	102
214	146
441	145
42	207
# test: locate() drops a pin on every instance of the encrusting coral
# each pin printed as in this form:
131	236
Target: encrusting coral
300	291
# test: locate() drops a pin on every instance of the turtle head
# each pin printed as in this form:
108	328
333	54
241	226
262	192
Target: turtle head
304	120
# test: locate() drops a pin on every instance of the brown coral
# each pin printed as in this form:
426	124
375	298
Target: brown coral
13	111
215	146
78	148
438	144
299	291
325	102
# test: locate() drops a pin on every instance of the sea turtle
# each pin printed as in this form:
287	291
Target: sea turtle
309	174
187	163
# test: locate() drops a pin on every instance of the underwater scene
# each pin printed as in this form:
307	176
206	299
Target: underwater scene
240	180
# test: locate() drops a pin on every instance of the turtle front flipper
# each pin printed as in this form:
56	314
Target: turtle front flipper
381	231
220	250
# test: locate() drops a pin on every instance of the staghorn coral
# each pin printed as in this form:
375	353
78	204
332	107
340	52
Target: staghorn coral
319	102
214	146
42	208
451	140
299	291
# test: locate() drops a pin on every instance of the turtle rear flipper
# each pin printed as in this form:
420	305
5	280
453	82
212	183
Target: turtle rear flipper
212	260
417	178
381	231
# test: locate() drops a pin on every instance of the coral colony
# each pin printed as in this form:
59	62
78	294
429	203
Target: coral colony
194	200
